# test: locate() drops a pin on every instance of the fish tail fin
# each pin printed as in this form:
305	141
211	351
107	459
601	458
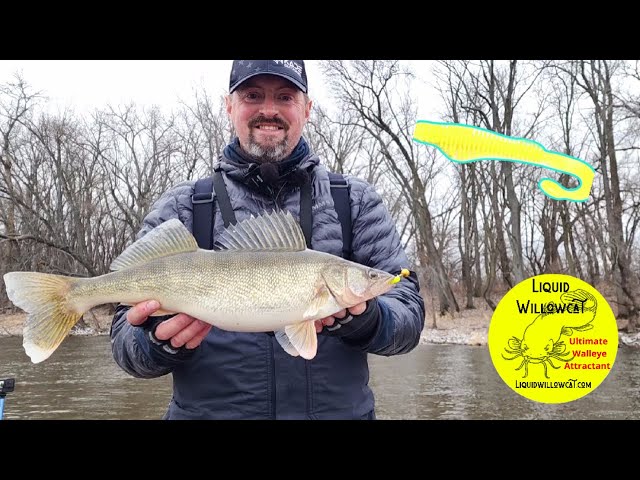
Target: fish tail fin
51	315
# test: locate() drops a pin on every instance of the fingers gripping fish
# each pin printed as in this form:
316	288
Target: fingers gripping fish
541	341
263	279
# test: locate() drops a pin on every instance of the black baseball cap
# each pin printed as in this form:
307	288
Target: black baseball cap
292	70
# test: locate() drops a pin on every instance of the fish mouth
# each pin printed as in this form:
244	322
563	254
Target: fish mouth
403	273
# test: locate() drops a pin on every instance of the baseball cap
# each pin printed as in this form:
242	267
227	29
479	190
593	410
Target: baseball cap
292	70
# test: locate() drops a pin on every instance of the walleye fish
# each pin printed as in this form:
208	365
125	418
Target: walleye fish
263	279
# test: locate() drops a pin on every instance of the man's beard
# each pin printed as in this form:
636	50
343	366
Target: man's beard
269	153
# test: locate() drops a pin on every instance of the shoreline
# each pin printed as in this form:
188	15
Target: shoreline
478	337
450	331
472	337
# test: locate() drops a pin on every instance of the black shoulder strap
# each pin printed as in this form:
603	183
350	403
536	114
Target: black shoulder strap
206	190
228	217
341	199
203	212
306	214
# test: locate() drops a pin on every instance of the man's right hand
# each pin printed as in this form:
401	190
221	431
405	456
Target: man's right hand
182	329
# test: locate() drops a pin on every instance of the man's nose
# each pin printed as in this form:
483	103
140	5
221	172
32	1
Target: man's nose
268	107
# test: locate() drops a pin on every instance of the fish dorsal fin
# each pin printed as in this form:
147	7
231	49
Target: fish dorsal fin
277	231
166	239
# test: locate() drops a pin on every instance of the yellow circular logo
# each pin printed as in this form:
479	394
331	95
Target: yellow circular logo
553	338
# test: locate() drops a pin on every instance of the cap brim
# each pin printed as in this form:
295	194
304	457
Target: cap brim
286	77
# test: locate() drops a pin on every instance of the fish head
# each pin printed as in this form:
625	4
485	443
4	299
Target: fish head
351	283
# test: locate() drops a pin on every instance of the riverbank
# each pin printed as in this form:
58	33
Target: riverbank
469	327
96	322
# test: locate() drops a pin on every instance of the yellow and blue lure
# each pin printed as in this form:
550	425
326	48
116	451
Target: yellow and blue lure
465	143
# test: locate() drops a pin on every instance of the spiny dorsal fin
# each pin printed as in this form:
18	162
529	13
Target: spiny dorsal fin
166	239
277	231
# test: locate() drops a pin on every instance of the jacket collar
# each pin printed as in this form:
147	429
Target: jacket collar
286	174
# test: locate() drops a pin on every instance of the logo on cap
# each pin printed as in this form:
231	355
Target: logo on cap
292	70
290	64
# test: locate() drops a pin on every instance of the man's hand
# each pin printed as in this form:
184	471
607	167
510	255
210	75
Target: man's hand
330	320
183	330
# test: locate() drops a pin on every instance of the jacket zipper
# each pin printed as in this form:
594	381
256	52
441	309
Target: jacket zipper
307	366
271	375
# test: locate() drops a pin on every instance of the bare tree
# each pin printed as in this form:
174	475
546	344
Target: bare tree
203	132
596	78
141	160
16	104
339	142
368	89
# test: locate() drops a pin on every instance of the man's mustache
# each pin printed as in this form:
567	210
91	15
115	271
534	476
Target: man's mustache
268	121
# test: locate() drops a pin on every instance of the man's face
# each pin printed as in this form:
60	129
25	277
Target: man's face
268	114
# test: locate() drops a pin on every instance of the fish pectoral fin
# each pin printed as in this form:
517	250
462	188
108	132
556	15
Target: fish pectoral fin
284	342
303	338
319	301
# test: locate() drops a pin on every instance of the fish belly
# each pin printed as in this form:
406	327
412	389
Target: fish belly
256	322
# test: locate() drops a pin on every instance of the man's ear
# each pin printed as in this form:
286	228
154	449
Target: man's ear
307	110
227	101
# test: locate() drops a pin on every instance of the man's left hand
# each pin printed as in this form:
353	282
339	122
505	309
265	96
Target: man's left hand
330	320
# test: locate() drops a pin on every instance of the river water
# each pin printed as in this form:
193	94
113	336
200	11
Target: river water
435	382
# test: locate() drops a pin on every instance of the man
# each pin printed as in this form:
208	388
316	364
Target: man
232	375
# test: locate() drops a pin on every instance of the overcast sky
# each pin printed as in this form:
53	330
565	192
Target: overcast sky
88	84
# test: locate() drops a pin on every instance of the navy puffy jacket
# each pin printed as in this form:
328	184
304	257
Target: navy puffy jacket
248	375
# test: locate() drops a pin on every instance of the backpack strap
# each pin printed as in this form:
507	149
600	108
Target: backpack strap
306	214
205	192
203	212
341	193
228	217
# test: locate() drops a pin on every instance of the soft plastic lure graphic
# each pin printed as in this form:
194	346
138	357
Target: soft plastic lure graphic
465	143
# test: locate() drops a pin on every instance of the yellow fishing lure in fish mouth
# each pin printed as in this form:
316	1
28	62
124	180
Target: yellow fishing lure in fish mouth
404	273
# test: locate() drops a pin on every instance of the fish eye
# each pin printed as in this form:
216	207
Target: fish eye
373	275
